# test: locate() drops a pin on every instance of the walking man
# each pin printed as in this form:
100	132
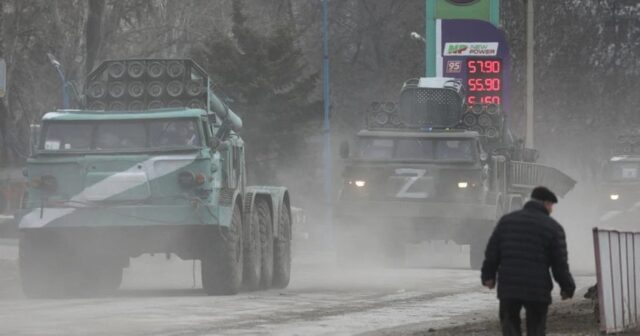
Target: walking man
523	247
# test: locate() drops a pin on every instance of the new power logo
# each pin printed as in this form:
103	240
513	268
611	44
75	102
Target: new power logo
455	49
471	49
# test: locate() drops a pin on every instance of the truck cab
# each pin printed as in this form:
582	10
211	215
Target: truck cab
417	166
620	184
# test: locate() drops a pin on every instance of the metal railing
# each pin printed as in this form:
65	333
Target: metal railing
618	269
525	175
498	181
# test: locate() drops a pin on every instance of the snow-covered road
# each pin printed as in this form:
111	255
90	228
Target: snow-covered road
323	299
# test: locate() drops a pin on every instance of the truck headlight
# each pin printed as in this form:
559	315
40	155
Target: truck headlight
614	197
463	185
47	183
357	183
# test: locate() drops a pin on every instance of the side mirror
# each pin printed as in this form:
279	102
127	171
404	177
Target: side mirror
34	137
484	157
344	149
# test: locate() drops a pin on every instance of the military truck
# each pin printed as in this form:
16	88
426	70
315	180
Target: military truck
152	163
620	185
433	168
620	177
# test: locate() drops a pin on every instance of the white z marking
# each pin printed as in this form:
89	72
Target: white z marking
410	180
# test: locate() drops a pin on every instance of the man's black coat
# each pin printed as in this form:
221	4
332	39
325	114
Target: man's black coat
522	248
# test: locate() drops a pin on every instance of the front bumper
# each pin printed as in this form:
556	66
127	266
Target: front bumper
414	221
123	242
433	210
118	216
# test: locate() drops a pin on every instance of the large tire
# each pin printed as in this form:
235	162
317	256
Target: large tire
101	278
39	276
222	261
104	278
282	250
50	270
266	242
110	279
251	274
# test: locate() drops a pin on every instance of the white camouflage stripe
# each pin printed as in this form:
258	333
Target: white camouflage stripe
108	188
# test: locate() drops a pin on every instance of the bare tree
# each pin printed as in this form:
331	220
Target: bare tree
93	33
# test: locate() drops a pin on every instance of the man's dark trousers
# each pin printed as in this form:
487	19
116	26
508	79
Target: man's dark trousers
536	313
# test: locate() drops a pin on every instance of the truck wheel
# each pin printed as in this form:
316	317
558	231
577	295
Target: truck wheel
39	275
266	243
282	250
91	280
222	262
106	279
252	252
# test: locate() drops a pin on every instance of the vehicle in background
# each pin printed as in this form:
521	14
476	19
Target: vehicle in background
433	168
619	187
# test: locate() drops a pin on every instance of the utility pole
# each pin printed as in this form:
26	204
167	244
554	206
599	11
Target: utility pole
326	127
529	99
4	152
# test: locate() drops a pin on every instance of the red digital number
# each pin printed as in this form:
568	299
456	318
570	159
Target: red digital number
472	67
490	67
480	85
495	66
490	100
484	81
471	82
492	84
477	84
484	66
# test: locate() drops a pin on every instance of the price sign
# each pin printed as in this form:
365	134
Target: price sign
484	80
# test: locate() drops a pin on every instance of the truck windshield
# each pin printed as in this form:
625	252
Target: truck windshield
417	149
121	135
623	170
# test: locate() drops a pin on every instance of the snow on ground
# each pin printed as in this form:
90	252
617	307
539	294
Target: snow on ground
323	299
